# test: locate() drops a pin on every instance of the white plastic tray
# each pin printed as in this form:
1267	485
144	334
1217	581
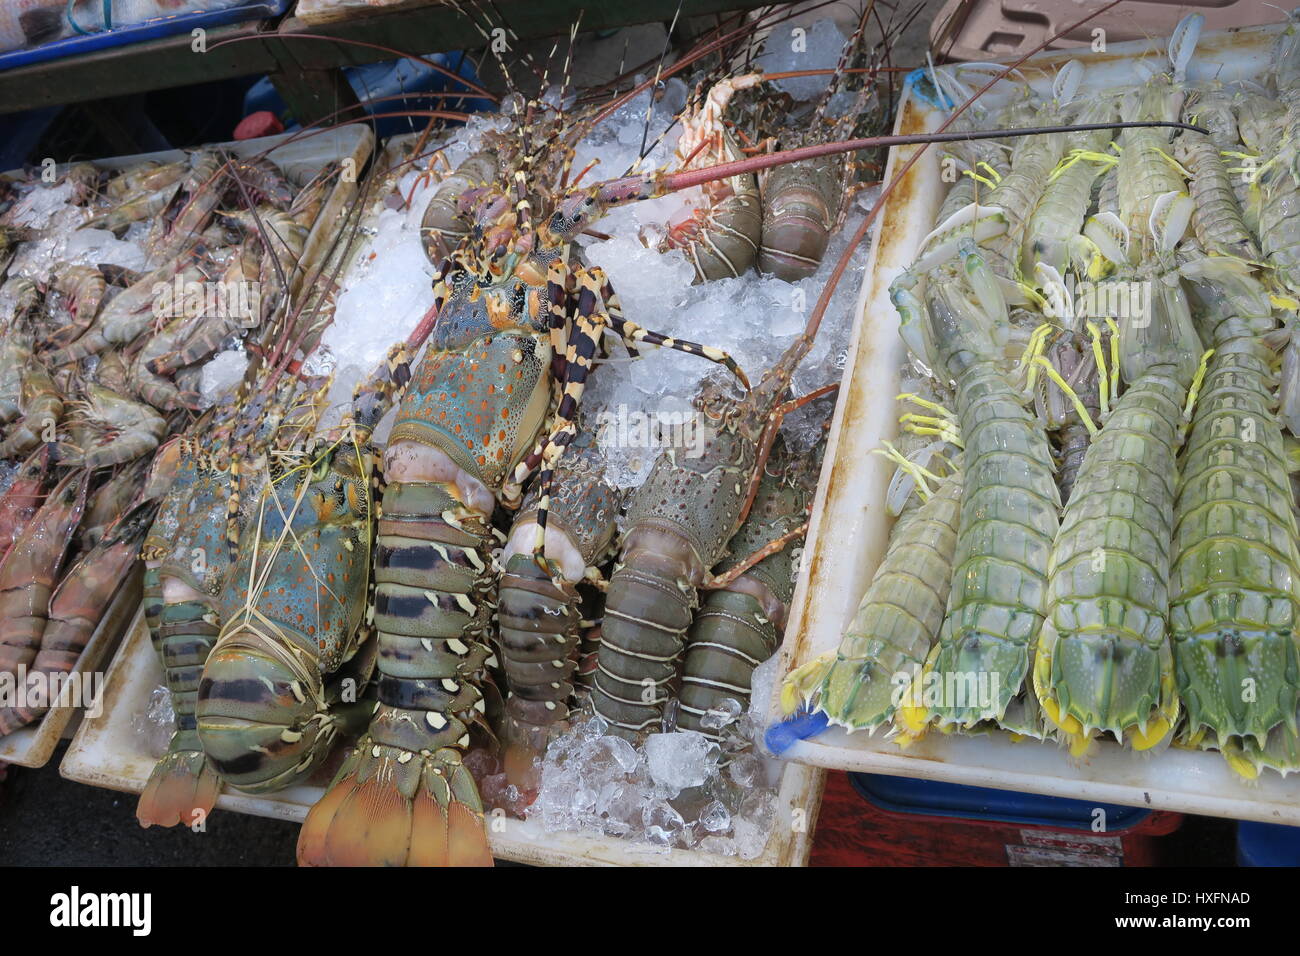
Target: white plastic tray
299	160
33	745
109	752
850	526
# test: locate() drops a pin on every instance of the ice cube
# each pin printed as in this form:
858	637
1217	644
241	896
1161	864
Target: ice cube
725	712
680	760
715	818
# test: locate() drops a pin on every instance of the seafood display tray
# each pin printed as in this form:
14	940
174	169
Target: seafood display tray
850	525
332	11
109	751
32	746
154	29
980	29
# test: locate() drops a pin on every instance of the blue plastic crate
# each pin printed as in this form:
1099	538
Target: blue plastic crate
139	32
936	798
1267	844
401	77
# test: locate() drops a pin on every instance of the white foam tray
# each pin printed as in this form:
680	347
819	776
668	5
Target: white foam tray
850	526
110	752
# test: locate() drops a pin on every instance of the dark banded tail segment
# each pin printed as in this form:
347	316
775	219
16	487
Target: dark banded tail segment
647	613
800	202
403	797
184	782
730	637
679	523
539	624
739	627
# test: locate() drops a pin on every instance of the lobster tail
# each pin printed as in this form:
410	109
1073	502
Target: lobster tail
183	781
538	623
403	797
262	712
799	205
383	811
183	787
738	627
648	610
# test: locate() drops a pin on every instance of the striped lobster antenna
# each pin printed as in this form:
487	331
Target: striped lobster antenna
539	611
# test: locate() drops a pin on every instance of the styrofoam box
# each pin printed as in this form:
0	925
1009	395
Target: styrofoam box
850	525
110	752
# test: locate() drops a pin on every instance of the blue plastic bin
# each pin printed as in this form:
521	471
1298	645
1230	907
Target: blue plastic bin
390	78
139	32
868	819
1267	844
936	798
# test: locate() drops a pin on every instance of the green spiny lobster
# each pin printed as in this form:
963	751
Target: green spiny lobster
739	626
539	610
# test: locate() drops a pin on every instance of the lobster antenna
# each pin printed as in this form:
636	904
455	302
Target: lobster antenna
659	71
824	299
846	52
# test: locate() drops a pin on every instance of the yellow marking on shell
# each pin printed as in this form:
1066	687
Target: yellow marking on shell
1114	356
474	559
432	596
374	751
1155	732
1064	386
435	720
405	757
296	689
457	646
426	644
550	705
291	736
465	604
557	664
1103	392
1241	766
1197	380
450	685
480	705
492	661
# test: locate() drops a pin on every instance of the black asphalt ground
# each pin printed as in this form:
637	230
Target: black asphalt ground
46	820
